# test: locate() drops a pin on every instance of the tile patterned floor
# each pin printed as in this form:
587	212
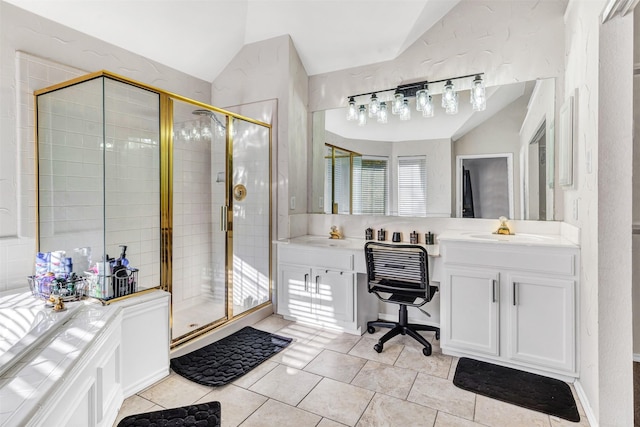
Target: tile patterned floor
327	379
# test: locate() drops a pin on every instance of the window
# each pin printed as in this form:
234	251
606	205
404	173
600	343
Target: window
342	187
370	185
412	186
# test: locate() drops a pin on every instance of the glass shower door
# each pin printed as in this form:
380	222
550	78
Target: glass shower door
250	204
199	294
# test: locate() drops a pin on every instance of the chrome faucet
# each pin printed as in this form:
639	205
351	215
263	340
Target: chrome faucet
504	228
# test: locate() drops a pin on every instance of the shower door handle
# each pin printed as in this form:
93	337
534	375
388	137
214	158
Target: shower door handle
223	218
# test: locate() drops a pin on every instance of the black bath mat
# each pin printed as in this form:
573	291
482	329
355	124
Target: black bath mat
233	356
520	388
200	415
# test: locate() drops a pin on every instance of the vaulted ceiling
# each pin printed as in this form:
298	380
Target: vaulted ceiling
200	37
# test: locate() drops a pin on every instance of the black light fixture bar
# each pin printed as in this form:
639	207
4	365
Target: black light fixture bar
409	90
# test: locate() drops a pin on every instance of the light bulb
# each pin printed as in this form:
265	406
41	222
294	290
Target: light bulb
383	114
405	111
362	116
352	111
374	106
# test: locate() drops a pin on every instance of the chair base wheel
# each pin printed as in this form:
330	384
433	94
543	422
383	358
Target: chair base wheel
438	335
371	329
426	351
378	348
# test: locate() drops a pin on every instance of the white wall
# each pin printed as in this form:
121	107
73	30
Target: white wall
266	70
24	31
599	65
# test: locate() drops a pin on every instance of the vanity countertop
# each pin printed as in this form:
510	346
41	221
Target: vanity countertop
348	243
521	239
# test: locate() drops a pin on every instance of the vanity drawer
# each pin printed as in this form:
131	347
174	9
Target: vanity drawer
320	257
540	259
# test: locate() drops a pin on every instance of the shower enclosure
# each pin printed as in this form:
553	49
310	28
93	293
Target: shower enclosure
184	185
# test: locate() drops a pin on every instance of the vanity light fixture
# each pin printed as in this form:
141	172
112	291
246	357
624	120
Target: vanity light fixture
478	95
352	110
399	98
362	115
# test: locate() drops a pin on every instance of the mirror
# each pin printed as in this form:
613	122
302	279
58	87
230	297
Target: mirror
496	162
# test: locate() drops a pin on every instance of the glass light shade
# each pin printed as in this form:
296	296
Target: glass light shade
383	114
362	115
352	110
421	98
448	95
478	95
405	111
452	105
427	109
374	106
398	101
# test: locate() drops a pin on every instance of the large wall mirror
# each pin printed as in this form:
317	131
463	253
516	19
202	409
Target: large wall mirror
471	164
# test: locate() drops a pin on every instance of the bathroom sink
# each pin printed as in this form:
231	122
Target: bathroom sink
516	238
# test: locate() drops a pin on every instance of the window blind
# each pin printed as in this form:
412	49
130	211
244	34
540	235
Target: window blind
371	188
412	186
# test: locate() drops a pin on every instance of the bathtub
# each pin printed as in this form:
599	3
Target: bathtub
25	322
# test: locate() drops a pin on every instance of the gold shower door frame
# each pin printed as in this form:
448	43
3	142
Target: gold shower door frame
166	194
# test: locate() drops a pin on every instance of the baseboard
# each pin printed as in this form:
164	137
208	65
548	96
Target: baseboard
636	357
593	422
145	382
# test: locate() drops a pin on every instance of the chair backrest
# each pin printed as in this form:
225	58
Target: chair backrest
397	268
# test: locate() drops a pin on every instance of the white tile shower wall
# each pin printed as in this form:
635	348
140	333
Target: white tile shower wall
192	219
17	247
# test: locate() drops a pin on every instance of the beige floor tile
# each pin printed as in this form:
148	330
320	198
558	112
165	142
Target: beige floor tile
336	341
274	413
135	405
297	355
236	403
286	384
437	364
364	348
299	332
390	412
387	379
255	374
559	422
326	422
495	413
272	323
338	366
447	420
175	391
441	394
337	401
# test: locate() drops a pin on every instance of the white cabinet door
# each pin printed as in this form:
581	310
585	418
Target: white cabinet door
333	296
542	321
472	301
294	293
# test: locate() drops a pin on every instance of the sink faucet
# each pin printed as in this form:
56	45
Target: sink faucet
504	228
335	233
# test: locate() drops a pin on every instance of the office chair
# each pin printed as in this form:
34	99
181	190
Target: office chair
400	271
